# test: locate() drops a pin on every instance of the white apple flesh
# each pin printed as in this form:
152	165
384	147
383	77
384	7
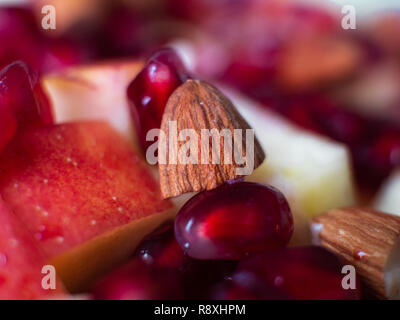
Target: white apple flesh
313	172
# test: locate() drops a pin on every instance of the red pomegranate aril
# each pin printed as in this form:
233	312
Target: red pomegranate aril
21	94
148	93
139	281
300	273
385	150
160	250
233	220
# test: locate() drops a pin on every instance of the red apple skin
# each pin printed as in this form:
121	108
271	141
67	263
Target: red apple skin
72	182
21	262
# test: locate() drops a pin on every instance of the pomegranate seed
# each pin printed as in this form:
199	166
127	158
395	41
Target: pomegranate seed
21	94
233	220
148	93
301	273
138	281
160	250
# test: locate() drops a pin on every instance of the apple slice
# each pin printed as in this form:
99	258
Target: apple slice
388	199
94	92
313	172
83	193
21	262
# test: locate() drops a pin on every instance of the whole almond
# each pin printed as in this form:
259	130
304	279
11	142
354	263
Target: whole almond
198	105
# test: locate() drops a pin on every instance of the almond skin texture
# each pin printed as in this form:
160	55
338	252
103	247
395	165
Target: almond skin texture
198	105
364	238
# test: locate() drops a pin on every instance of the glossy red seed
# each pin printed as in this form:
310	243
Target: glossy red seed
138	281
233	220
21	94
148	93
160	250
301	273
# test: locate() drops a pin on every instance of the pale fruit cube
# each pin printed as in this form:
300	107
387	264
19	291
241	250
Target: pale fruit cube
388	199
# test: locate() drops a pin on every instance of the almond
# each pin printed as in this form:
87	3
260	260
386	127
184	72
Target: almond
200	108
368	240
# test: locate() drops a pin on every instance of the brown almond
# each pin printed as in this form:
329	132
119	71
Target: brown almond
368	240
197	105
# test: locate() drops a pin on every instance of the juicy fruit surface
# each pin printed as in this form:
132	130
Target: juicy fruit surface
299	273
233	220
21	261
138	281
72	182
21	102
148	93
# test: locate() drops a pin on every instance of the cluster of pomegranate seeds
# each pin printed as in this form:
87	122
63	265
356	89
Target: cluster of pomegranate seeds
297	273
22	101
148	93
262	267
234	220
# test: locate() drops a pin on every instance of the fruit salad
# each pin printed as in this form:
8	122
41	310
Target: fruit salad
194	149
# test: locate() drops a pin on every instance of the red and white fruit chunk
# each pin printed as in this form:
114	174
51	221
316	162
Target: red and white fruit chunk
22	103
83	193
94	92
293	273
388	199
21	262
234	220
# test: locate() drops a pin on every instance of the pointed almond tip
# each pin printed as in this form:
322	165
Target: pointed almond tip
207	142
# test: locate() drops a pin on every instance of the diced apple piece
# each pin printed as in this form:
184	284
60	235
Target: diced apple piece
84	194
21	262
388	199
94	92
314	173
